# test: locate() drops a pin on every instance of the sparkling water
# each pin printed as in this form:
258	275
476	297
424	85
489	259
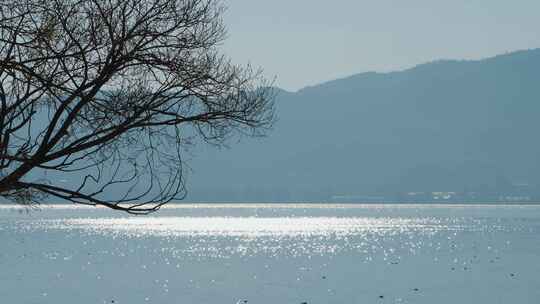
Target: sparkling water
270	253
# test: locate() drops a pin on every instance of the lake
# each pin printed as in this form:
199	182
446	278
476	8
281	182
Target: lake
272	253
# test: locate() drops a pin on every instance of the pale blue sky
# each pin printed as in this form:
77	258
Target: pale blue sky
304	42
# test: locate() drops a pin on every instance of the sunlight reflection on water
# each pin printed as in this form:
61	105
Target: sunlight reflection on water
218	230
202	237
248	226
270	253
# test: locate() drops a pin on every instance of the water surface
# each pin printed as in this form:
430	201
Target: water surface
268	253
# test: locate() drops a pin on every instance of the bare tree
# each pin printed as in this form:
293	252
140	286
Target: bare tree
109	92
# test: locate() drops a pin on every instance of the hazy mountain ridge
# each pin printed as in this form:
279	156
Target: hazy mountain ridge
453	126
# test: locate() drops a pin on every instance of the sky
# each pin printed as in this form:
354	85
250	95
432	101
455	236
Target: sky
303	42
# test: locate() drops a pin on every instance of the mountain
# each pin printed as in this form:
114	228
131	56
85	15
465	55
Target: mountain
467	129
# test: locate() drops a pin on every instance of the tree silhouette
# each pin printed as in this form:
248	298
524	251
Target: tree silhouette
108	94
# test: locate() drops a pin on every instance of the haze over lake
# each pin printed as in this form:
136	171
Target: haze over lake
448	130
269	152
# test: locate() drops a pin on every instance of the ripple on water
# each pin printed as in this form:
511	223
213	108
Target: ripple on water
387	230
251	226
275	236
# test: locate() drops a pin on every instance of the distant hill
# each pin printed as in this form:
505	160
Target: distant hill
469	127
